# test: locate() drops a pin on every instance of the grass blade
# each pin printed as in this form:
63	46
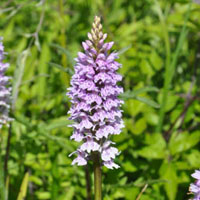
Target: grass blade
121	51
67	70
133	95
18	75
169	71
65	51
148	102
146	89
23	188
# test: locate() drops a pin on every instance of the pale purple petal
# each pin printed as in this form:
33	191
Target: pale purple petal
99	115
107	46
110	164
90	145
93	98
112	57
85	46
85	123
77	136
196	174
109	153
80	159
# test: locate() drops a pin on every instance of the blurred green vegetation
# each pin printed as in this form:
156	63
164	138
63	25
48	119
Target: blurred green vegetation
159	45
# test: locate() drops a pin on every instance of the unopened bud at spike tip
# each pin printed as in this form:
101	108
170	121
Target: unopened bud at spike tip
96	32
90	36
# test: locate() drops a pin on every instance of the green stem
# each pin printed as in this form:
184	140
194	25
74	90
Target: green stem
167	65
97	177
7	150
2	186
88	182
64	76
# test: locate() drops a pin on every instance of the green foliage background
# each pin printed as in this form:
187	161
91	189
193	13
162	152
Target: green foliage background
159	45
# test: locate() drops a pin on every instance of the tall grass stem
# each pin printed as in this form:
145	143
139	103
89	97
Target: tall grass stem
170	64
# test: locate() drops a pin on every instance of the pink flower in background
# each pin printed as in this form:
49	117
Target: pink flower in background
4	89
195	187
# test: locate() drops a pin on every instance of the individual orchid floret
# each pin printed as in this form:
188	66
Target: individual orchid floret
195	187
4	89
80	159
94	94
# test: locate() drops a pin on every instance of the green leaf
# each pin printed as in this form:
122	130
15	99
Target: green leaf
171	101
193	158
18	75
60	67
156	60
139	126
154	151
129	166
23	188
131	193
156	147
36	180
43	195
180	142
168	172
148	102
69	194
29	159
155	139
146	68
151	117
133	107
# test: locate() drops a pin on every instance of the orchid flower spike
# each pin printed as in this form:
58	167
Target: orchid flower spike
94	96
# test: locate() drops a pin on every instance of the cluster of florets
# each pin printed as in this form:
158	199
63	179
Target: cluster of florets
4	89
195	187
95	106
